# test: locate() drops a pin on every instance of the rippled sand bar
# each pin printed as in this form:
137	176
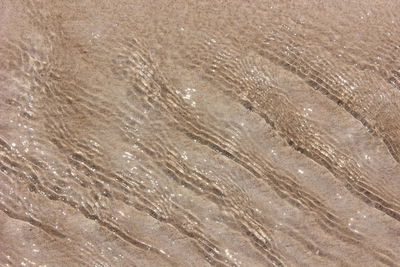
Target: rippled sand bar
199	133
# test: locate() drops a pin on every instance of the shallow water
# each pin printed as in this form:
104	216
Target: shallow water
178	133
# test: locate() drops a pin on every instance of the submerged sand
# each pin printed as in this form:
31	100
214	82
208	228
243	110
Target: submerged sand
198	133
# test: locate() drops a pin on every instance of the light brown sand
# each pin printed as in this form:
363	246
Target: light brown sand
197	133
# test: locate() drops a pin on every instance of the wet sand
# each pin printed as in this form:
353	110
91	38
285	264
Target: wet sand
199	133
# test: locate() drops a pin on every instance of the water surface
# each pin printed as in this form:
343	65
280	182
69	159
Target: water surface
198	133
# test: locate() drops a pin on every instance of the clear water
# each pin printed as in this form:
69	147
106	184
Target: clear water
179	133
